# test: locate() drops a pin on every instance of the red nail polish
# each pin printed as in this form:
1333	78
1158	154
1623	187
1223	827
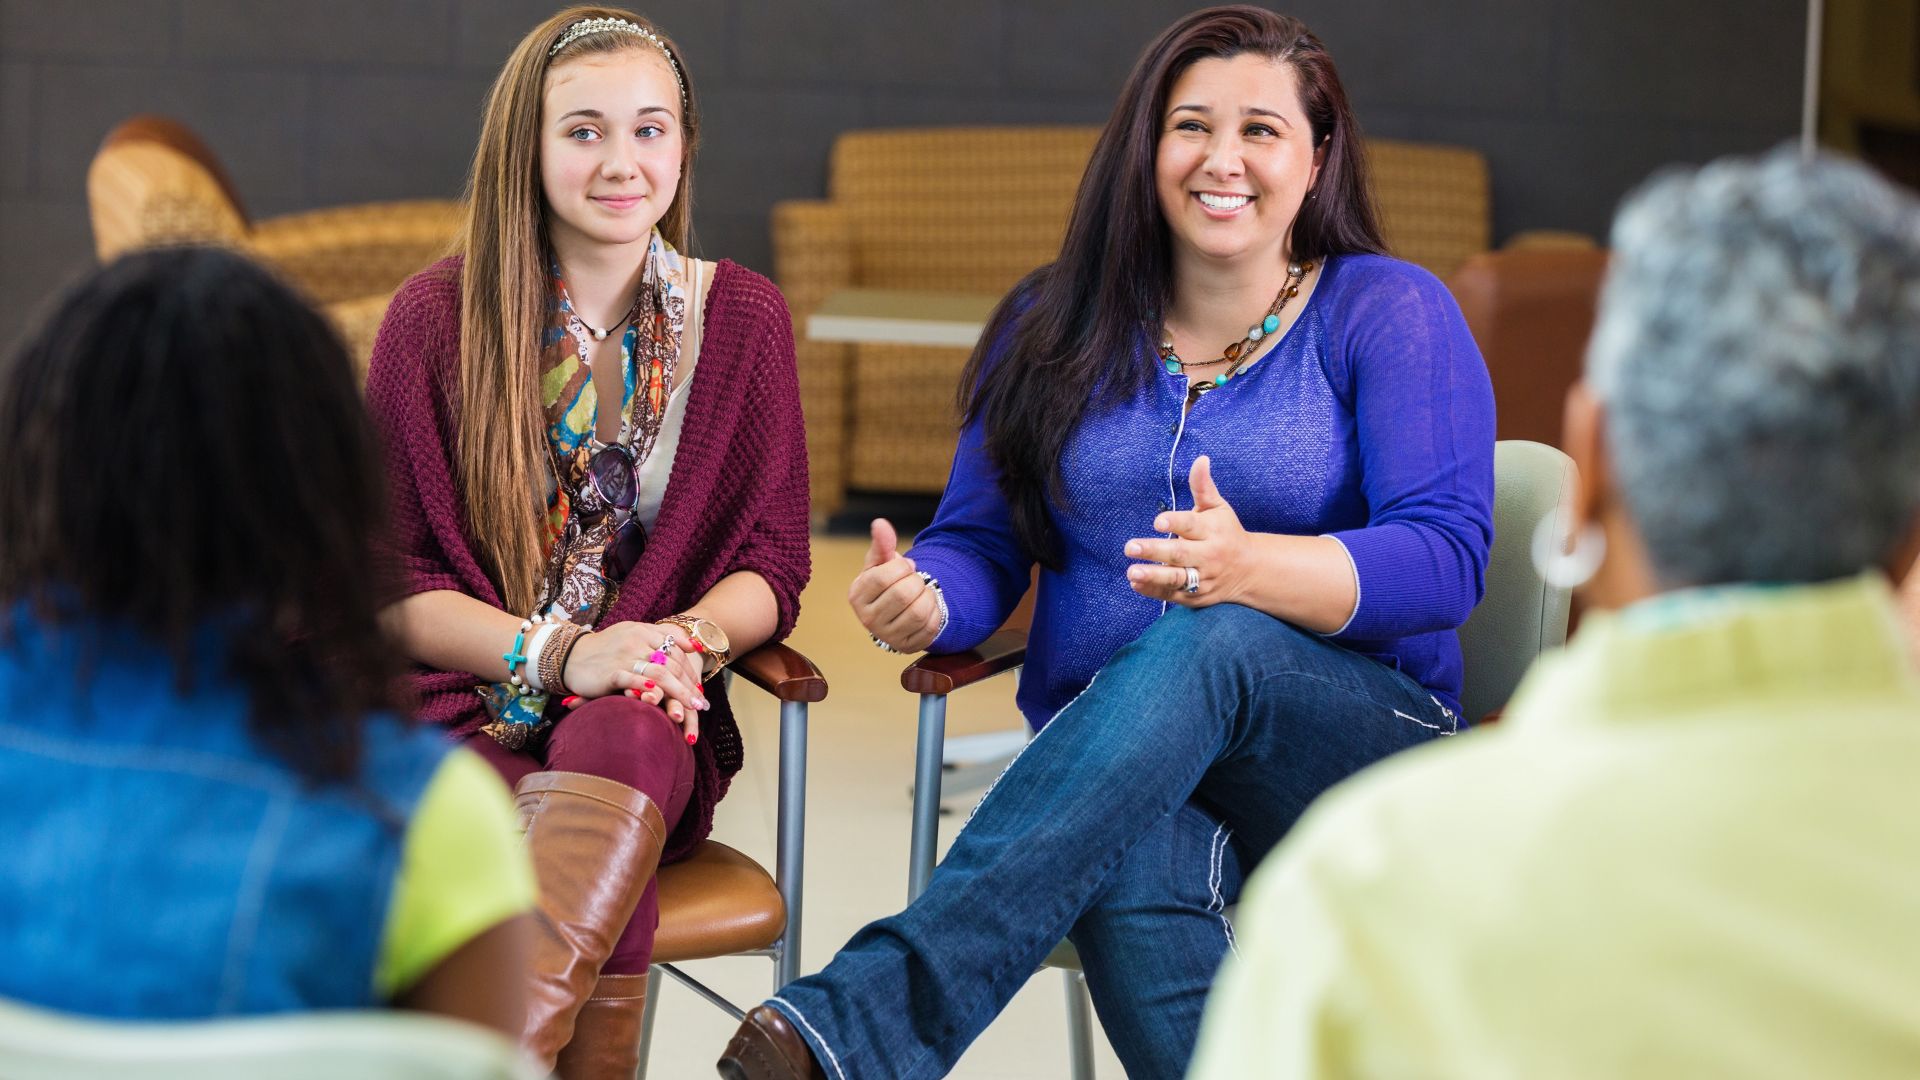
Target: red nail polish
570	700
649	684
631	693
692	738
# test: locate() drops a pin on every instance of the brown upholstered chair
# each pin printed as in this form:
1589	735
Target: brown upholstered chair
155	182
1531	311
972	210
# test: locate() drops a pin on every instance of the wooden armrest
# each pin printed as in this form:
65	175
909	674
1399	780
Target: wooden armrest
1004	651
783	672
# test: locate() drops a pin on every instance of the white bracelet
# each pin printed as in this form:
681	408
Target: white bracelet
939	598
536	647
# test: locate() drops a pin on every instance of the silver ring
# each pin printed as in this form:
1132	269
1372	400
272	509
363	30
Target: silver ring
671	643
639	667
1193	580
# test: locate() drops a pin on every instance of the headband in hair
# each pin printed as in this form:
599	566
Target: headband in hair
621	26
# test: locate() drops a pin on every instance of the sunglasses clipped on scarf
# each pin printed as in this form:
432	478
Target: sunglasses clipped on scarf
611	471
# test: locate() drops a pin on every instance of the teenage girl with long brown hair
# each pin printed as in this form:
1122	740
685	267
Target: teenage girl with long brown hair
600	480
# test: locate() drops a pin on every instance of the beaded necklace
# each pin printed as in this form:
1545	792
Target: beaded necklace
1240	351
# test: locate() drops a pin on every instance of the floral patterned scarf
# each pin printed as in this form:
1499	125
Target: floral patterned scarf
579	523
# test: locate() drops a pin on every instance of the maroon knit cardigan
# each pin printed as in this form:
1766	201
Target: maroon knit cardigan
736	499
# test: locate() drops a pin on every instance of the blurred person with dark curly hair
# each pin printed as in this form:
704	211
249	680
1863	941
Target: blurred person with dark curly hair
216	805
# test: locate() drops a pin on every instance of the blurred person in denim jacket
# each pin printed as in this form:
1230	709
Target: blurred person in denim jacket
216	805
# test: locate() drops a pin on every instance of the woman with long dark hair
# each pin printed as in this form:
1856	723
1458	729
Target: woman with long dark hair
216	808
1253	457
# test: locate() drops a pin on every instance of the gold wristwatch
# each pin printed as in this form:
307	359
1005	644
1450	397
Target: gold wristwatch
708	640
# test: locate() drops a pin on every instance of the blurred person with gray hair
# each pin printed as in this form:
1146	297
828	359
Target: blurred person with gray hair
1689	849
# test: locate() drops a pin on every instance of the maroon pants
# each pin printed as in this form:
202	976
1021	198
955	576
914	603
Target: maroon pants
620	739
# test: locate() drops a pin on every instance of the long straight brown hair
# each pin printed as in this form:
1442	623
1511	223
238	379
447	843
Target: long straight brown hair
1072	333
502	452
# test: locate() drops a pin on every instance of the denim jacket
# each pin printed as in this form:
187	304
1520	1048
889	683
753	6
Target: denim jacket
160	863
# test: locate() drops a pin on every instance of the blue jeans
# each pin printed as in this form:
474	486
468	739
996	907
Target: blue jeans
1113	826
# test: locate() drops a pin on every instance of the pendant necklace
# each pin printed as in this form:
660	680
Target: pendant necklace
1240	351
599	334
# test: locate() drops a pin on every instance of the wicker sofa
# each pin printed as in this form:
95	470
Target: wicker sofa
973	210
153	181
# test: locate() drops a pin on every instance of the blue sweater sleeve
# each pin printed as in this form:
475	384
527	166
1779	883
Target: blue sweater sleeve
1423	407
970	549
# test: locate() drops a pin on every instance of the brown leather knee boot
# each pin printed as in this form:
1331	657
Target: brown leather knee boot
606	1036
595	844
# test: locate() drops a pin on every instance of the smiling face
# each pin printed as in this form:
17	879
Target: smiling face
1236	159
611	148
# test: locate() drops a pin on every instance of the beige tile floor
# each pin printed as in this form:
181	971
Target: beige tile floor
860	763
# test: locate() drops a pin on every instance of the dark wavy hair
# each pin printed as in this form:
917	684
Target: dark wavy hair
186	449
1072	334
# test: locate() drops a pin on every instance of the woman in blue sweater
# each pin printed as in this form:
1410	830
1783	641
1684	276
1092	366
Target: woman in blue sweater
1253	456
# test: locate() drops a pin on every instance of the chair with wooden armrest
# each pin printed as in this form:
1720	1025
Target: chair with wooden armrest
1519	616
720	902
933	678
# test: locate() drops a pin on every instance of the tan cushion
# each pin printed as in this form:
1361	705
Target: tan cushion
1434	202
716	902
145	194
967	209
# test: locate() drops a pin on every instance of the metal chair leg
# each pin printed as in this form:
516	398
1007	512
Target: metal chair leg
790	847
1079	1026
646	1019
926	793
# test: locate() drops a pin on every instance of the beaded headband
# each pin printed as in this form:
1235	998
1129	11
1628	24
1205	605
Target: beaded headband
621	26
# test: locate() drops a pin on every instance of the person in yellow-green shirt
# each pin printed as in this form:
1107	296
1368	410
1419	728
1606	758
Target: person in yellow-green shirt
1690	848
215	803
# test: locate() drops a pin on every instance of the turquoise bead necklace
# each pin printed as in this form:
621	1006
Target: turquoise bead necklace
1240	351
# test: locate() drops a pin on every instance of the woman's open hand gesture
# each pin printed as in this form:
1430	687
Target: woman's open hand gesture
1207	560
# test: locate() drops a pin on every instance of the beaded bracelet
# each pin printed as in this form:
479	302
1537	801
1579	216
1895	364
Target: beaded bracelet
516	657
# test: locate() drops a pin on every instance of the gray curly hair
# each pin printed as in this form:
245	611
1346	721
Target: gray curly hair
1758	351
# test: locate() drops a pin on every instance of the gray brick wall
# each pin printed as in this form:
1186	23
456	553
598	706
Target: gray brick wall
316	104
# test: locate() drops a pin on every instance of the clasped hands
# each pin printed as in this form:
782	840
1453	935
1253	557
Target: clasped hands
618	659
899	608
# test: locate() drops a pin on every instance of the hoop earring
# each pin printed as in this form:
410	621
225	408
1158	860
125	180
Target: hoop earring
1568	569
